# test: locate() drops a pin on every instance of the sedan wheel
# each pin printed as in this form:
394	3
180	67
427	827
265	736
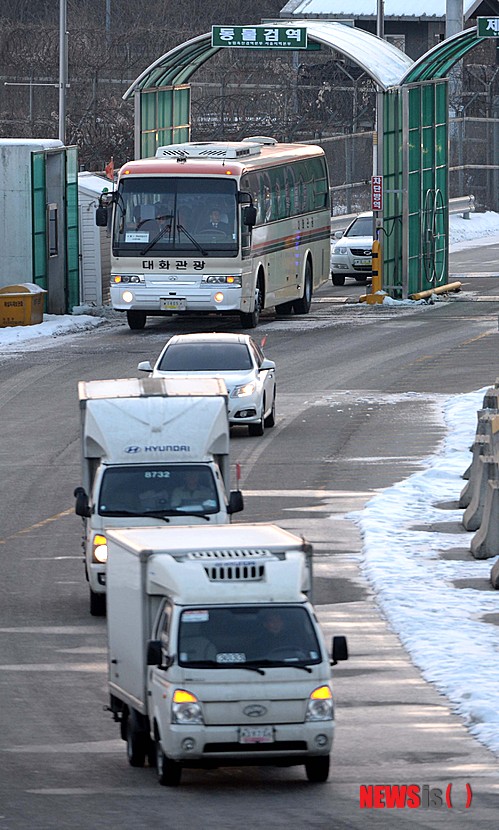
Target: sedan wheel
270	419
259	427
338	279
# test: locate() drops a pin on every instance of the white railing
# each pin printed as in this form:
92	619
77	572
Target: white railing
461	204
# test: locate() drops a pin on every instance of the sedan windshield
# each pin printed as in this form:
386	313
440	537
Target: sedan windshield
206	357
362	226
257	636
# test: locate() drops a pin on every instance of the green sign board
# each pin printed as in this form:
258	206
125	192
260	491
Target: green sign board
260	37
487	26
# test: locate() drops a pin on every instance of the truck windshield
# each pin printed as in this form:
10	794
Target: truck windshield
166	215
166	489
270	635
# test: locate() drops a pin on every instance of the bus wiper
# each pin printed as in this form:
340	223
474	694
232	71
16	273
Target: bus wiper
194	241
157	237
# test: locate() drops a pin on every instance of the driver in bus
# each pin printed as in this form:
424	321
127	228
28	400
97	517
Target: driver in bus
216	222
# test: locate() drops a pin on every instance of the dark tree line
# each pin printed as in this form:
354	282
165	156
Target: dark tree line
110	42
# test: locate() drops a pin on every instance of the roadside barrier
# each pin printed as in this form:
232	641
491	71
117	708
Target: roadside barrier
480	496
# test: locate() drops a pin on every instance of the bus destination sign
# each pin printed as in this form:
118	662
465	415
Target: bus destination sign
259	37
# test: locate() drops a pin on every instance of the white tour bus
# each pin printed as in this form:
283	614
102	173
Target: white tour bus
220	227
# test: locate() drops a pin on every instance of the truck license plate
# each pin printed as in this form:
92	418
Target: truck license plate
172	305
256	735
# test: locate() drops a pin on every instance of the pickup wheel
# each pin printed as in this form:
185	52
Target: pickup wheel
137	742
317	769
169	772
97	604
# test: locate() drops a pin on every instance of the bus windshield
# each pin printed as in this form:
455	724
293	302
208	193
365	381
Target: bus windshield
161	215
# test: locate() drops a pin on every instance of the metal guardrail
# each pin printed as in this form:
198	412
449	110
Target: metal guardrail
461	204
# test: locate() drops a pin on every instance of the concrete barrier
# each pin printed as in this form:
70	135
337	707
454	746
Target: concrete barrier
487	471
485	542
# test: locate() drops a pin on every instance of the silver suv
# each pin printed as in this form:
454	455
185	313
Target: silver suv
351	254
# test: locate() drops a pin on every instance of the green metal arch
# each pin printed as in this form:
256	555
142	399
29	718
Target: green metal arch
438	61
383	62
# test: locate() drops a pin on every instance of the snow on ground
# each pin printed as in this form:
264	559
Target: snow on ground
440	623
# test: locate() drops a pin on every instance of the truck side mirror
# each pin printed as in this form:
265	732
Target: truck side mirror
339	650
154	655
82	507
101	217
236	502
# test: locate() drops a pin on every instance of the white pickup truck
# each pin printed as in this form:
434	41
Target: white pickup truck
216	657
153	450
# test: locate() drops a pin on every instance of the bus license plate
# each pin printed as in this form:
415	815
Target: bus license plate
172	305
256	735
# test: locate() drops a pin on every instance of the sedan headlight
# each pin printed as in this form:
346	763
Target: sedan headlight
186	708
244	390
340	250
320	705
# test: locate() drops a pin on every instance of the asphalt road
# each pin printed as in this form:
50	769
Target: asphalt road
359	406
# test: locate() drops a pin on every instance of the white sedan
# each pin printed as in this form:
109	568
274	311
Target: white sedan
351	254
238	360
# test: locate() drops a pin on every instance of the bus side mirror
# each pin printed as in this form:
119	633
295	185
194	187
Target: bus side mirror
101	217
249	216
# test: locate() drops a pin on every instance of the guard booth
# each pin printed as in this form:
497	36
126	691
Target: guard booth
39	234
411	157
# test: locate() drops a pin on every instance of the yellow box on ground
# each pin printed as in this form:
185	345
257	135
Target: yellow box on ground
21	304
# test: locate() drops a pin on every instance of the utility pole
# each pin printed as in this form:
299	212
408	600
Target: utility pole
63	69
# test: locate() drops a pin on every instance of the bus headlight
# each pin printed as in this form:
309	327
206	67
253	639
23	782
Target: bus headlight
186	708
121	279
221	279
127	297
99	549
320	705
219	297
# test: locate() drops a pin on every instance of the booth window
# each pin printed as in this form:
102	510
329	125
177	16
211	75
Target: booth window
53	239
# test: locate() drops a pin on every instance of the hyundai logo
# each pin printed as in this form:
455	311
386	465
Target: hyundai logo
255	711
132	449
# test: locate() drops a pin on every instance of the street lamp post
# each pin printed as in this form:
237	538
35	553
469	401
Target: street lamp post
63	70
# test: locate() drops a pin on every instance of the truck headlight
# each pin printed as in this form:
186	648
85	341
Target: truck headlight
244	390
99	549
186	708
320	705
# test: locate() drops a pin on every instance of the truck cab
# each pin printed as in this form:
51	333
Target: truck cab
153	451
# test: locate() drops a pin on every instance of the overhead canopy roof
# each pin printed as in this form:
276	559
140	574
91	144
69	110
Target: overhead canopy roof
382	61
367	9
438	61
